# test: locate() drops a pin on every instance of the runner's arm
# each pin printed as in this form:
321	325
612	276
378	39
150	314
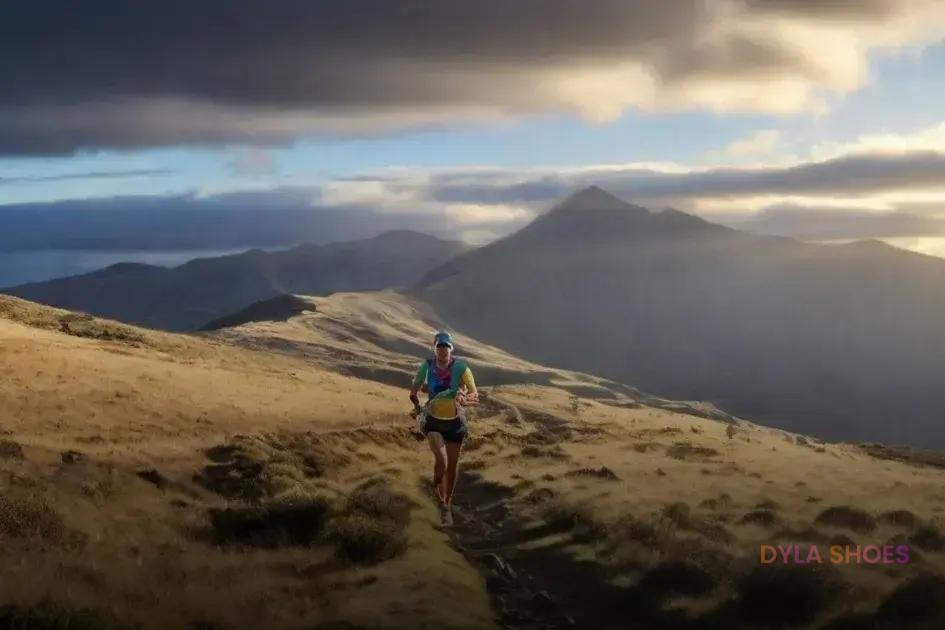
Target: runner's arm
469	382
418	381
470	396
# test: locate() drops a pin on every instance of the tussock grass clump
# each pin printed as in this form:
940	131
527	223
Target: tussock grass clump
577	518
539	495
10	450
917	602
290	520
847	517
601	473
632	529
677	513
239	479
899	518
75	324
806	533
364	540
371	526
28	516
281	476
928	538
714	532
768	504
532	450
253	468
722	502
764	518
677	577
679	516
685	451
665	538
788	594
375	498
83	325
47	615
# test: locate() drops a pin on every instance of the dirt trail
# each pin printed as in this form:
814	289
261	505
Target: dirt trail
488	535
535	581
531	586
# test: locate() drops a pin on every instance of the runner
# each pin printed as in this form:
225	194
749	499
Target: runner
449	384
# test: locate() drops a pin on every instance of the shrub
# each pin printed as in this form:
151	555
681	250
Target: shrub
24	516
848	517
361	539
289	520
577	518
46	615
918	600
788	594
371	527
900	518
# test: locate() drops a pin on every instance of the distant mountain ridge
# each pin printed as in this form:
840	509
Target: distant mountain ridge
842	341
205	289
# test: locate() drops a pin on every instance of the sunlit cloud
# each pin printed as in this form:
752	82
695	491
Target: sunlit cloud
471	213
420	65
930	139
384	194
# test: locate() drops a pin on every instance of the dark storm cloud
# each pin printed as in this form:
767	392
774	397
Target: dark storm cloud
850	175
302	52
114	73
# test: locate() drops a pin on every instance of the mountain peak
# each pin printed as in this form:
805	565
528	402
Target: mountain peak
593	198
871	243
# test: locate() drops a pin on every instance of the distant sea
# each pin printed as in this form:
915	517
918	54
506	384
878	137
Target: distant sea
38	265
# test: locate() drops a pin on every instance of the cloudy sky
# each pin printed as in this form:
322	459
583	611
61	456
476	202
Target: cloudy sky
819	119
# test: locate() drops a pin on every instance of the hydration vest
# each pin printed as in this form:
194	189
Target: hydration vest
435	387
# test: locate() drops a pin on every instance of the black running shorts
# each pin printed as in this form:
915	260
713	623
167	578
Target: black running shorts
452	430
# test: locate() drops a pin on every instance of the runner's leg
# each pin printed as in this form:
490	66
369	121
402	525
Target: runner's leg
439	463
453	450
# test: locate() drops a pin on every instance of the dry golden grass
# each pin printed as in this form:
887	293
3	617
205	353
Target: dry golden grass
167	481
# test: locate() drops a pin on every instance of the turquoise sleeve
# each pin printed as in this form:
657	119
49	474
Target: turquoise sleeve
421	374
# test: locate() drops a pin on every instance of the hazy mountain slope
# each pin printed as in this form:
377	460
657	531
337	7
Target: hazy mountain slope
191	295
846	342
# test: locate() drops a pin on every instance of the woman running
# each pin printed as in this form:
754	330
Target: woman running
450	386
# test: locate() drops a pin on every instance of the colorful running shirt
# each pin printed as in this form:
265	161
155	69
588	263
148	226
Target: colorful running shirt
438	380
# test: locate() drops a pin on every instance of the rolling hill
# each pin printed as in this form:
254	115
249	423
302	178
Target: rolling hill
191	295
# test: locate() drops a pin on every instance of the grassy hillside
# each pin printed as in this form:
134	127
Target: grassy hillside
119	443
267	476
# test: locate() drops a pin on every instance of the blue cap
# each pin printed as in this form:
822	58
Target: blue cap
442	337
